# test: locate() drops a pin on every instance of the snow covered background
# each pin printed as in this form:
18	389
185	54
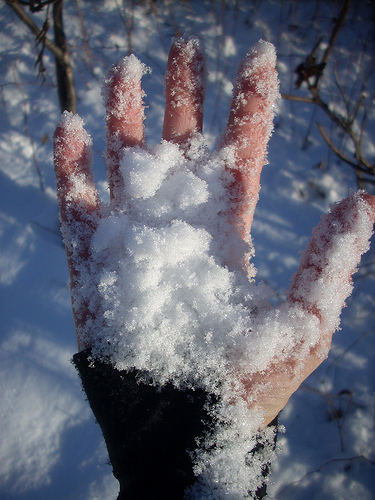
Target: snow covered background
50	446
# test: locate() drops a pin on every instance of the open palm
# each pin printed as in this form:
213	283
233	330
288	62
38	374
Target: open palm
277	347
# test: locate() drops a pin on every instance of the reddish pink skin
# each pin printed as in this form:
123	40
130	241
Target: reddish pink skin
129	132
281	375
75	160
179	124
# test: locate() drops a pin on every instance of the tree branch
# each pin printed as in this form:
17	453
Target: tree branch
340	21
34	28
299	98
339	153
64	70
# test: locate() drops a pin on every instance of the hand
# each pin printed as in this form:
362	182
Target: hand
288	342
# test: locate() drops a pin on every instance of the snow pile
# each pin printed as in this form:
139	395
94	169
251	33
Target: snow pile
166	296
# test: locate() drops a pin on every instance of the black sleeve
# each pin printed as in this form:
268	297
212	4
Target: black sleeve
148	431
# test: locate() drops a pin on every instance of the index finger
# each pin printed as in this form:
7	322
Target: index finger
250	125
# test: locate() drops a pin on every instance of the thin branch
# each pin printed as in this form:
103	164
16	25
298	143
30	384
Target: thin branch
27	129
64	70
85	39
337	152
291	97
339	23
41	39
362	164
368	169
26	19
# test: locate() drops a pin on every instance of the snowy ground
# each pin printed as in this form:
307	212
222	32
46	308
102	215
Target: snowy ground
51	447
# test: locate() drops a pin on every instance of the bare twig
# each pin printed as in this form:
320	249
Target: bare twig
310	72
40	39
26	19
323	466
370	170
127	17
346	125
85	38
27	130
339	23
58	48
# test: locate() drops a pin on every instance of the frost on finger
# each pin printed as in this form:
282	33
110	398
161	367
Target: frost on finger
186	75
323	281
73	159
119	81
123	99
76	189
261	57
168	304
255	92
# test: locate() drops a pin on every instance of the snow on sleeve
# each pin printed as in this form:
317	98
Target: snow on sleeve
169	305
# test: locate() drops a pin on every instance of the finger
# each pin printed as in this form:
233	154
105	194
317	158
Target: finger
320	286
324	278
271	390
77	194
185	88
250	125
323	281
123	99
78	201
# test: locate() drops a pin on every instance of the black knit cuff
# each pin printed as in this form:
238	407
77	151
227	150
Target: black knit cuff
148	431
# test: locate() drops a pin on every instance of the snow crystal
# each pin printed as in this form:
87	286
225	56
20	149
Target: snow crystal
261	57
170	299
